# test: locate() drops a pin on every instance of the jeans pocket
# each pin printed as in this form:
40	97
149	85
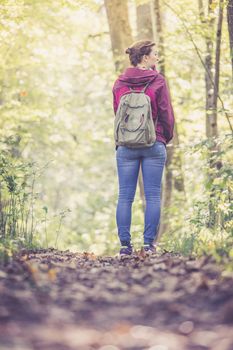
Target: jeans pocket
160	142
160	150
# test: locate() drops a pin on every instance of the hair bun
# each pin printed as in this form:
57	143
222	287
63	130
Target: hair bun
128	50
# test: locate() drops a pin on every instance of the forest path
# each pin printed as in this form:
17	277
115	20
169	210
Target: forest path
78	301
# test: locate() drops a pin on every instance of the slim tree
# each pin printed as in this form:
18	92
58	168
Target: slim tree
212	69
230	29
174	159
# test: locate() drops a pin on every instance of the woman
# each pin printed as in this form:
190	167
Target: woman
143	59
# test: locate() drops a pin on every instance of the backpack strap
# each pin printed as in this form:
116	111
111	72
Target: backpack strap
143	90
145	87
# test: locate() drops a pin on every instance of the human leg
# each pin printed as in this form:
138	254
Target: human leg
153	163
128	164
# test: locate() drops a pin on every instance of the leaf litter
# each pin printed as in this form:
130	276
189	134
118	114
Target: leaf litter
51	299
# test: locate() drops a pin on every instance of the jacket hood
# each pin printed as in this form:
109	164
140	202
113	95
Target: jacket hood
136	76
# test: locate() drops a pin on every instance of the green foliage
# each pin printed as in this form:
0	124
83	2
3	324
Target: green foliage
17	196
20	214
206	231
218	187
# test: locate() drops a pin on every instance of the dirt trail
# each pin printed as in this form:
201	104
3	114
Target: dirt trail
53	300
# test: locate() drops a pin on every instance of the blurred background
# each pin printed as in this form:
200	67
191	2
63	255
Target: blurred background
58	180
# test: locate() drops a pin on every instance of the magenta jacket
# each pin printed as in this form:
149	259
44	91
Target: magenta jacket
157	90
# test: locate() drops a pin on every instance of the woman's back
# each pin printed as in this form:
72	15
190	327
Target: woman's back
157	90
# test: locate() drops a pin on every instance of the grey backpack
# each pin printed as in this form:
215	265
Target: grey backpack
133	124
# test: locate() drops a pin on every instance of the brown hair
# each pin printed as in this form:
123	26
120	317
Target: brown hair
138	49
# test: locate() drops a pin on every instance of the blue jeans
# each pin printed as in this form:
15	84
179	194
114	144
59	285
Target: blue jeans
152	160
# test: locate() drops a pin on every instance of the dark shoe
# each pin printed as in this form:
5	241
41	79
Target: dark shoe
126	249
149	248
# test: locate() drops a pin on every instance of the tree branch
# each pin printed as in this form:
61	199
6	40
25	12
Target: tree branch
202	62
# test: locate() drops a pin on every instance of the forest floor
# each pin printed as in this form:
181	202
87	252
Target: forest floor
53	300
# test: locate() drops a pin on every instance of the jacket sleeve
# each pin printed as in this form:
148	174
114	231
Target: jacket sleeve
115	109
114	102
165	111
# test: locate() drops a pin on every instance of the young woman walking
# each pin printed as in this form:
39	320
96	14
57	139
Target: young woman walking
143	58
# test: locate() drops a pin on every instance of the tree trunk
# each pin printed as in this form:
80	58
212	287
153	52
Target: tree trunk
157	19
120	31
212	87
230	29
174	159
144	22
215	149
